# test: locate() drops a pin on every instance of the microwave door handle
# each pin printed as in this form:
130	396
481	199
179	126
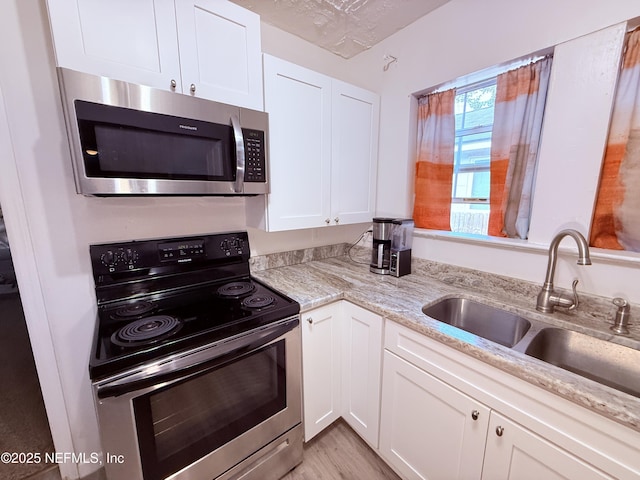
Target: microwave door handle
237	135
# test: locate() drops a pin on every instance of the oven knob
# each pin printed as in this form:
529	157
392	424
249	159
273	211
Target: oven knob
129	256
108	258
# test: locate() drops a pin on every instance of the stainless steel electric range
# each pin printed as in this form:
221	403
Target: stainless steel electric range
195	365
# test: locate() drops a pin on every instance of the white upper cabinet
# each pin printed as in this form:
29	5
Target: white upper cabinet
355	119
298	101
206	48
130	41
220	51
323	150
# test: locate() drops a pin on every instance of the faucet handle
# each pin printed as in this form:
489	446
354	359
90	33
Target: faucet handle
575	295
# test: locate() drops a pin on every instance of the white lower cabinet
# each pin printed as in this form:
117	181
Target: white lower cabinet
341	361
361	368
428	429
445	415
438	413
516	453
321	382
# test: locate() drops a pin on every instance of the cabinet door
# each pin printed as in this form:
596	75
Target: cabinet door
298	101
356	114
429	430
513	452
120	39
220	52
321	342
361	366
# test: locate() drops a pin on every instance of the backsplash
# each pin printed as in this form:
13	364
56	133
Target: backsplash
294	257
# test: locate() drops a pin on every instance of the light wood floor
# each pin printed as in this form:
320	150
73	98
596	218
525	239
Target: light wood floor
339	453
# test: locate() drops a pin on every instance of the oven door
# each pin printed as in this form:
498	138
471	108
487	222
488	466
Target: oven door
201	413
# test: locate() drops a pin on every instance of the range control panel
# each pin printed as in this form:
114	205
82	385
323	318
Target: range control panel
125	257
147	254
182	250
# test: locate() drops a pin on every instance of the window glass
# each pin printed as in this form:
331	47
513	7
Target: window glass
474	107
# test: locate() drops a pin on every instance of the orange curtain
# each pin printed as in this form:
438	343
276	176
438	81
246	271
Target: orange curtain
434	168
616	219
517	124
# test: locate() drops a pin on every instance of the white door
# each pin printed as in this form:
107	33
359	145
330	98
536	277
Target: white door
298	101
130	41
220	52
361	369
321	342
356	114
515	453
429	430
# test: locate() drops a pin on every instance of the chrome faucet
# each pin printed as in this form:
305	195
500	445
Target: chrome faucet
548	299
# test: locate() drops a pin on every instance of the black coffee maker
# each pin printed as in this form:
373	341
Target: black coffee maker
381	253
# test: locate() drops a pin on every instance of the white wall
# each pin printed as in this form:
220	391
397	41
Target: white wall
463	37
52	227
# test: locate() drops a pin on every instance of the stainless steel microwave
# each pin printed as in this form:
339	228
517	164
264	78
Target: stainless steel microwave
129	139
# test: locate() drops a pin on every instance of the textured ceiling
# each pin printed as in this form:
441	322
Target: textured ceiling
344	27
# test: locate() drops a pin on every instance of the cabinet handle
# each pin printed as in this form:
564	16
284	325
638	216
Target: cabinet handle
327	221
310	321
499	431
475	414
193	88
173	84
337	220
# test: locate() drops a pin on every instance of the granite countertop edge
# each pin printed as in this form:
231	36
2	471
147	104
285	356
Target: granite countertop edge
320	282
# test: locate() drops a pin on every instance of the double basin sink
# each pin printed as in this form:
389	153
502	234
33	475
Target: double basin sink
599	360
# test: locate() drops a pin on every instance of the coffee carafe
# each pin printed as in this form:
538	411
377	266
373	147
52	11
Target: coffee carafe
401	242
381	254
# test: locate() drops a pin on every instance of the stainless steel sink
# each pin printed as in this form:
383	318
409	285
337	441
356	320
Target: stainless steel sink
607	363
487	322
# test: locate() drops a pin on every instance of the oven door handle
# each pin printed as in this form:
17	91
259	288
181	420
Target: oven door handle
187	364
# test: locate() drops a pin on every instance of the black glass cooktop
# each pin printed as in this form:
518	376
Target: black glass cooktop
149	307
134	331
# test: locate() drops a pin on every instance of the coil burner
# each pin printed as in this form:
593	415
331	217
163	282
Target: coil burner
137	309
255	302
146	330
236	289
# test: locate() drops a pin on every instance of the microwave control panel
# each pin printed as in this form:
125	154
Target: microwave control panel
254	155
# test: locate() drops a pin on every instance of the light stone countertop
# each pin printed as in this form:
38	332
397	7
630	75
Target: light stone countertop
319	281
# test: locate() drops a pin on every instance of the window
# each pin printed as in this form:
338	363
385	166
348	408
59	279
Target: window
474	107
477	152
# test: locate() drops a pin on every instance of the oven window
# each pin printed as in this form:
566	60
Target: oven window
186	421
